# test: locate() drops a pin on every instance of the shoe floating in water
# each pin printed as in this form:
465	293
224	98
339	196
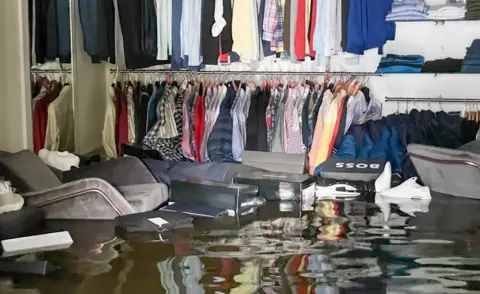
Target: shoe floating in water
409	190
337	190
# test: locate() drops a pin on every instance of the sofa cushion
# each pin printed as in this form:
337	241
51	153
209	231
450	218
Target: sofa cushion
27	172
146	197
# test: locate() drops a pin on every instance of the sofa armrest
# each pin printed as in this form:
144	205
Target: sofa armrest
123	171
89	198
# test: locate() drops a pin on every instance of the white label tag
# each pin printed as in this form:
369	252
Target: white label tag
158	221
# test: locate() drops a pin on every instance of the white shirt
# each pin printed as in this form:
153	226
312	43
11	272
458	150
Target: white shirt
164	29
191	31
108	133
60	125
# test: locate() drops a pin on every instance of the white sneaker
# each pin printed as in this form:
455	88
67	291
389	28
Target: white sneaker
384	181
408	206
408	190
9	201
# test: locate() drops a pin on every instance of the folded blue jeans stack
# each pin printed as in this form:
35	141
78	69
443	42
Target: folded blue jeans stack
471	62
393	63
408	10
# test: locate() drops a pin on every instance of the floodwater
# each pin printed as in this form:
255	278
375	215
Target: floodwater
366	245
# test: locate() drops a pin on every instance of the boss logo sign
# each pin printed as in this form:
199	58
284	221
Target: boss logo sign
357	165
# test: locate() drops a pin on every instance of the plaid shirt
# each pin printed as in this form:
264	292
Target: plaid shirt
270	18
169	148
278	34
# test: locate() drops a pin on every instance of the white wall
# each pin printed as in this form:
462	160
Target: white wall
15	105
89	91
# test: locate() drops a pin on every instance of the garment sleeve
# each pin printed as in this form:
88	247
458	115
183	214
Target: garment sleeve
269	20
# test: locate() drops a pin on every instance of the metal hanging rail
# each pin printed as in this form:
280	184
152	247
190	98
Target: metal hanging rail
305	73
433	99
55	70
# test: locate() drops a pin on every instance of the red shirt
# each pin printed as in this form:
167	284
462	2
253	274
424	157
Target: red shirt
40	116
300	31
122	120
199	125
313	19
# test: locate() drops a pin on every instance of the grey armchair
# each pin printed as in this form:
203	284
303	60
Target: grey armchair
448	171
104	191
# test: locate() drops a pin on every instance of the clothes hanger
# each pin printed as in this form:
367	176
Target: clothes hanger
440	105
398	107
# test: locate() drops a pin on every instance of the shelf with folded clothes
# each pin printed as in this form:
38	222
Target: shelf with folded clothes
414	63
433	10
438	21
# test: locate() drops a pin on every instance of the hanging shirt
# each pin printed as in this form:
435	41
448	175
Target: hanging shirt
270	18
235	112
63	29
293	29
220	141
119	50
277	145
131	116
60	127
210	43
186	125
244	116
40	117
320	123
293	130
330	126
209	96
242	31
307	25
152	116
142	113
190	31
330	22
122	119
199	126
313	23
300	31
170	148
255	38
108	133
164	29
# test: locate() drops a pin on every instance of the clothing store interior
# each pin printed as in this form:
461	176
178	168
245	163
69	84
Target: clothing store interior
240	146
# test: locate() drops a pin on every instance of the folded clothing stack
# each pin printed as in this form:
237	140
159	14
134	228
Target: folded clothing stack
447	12
471	62
447	65
473	10
393	63
408	10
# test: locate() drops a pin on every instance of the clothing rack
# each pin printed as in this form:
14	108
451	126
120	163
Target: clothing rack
307	73
433	99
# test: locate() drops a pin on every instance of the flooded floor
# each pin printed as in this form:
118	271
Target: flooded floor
367	245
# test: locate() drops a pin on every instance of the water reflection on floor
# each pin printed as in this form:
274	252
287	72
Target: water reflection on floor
361	246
